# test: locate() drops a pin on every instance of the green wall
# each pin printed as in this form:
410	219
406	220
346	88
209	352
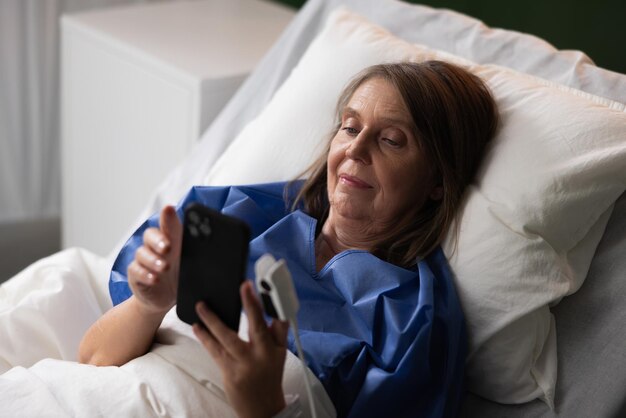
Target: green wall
596	27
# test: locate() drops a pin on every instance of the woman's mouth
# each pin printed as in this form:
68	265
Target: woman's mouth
353	181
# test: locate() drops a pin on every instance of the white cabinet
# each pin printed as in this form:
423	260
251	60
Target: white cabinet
139	85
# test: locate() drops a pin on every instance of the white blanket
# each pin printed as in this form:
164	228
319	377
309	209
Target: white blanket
44	312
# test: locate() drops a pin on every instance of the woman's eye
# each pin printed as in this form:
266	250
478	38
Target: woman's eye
350	130
391	142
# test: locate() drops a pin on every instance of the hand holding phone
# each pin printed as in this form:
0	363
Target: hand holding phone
212	265
153	273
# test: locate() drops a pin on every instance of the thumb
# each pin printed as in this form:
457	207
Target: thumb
170	225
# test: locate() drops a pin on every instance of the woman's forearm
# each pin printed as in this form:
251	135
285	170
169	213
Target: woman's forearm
123	333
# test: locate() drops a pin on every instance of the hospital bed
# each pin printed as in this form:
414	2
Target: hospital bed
540	269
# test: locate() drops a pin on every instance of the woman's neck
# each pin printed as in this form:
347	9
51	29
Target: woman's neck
340	234
337	236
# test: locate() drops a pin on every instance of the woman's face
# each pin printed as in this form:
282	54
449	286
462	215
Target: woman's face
377	172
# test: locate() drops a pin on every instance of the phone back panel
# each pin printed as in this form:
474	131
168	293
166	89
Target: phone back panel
212	265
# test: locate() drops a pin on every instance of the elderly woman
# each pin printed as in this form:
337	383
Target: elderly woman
380	322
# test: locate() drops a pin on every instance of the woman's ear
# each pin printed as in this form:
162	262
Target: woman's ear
436	193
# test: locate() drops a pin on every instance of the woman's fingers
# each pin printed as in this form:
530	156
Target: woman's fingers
224	336
157	241
150	261
209	342
257	328
140	275
279	330
160	239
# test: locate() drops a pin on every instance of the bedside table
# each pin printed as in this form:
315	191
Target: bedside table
139	85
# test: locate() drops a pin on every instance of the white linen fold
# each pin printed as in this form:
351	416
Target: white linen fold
44	312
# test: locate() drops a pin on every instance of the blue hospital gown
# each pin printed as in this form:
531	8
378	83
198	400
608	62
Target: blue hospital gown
384	341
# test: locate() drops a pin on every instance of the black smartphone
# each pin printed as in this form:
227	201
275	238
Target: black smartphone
212	265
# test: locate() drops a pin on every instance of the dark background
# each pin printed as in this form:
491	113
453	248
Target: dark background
595	27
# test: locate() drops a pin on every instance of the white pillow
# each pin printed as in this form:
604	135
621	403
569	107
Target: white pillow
530	225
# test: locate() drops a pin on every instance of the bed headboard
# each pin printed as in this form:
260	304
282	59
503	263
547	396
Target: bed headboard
593	28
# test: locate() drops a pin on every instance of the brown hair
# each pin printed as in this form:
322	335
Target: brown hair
454	116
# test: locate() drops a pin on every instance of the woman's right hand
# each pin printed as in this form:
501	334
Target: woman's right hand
127	331
153	274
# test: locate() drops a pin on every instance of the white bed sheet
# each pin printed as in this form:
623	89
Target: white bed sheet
44	312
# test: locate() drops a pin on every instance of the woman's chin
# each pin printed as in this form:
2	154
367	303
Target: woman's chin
351	210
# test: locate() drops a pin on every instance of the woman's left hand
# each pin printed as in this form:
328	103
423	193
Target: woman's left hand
252	371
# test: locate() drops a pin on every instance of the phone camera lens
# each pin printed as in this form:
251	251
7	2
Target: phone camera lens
265	285
194	217
205	228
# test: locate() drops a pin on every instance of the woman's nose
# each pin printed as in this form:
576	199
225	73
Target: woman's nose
359	148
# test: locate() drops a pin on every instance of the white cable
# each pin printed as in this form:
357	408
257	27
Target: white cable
275	285
305	369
